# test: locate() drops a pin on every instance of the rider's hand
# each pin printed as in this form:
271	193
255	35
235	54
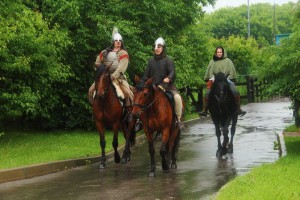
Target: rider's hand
112	77
166	80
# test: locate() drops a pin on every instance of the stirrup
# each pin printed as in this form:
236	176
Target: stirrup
128	116
138	126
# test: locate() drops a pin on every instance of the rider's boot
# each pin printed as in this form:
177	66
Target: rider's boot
179	124
204	112
238	103
128	114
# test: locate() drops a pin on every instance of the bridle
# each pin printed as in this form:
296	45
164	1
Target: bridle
105	76
147	104
221	96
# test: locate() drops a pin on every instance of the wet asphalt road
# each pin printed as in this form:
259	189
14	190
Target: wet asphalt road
199	174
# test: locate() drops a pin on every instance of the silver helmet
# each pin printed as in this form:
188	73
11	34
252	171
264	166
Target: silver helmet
116	35
159	41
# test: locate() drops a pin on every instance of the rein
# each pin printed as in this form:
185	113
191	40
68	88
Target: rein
145	106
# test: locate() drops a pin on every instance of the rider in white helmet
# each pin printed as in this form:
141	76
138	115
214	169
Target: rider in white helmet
161	69
117	58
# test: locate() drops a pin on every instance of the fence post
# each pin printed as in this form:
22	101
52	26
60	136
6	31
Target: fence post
200	99
194	102
250	89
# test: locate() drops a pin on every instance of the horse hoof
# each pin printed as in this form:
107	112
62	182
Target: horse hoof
125	160
166	171
173	166
218	154
102	166
151	174
117	159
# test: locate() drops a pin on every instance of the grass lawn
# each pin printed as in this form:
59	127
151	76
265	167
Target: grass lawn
279	180
28	148
19	149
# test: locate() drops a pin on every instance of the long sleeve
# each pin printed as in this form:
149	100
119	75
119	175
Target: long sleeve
122	64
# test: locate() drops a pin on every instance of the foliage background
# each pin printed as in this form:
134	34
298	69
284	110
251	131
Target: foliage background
47	50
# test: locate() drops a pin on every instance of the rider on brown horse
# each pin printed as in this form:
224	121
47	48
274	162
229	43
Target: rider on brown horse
161	69
116	58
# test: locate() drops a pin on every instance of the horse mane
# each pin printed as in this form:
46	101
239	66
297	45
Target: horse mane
140	85
99	71
221	78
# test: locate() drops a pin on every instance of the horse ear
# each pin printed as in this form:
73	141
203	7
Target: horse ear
136	78
133	89
149	82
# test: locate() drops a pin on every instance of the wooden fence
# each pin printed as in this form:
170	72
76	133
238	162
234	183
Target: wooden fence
254	91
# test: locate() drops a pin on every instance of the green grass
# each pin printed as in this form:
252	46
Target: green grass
191	116
19	149
28	148
279	180
292	128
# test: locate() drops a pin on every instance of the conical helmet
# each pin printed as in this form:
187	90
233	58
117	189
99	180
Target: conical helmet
116	35
160	41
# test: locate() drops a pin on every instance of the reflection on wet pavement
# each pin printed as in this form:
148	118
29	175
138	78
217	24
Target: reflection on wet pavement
199	174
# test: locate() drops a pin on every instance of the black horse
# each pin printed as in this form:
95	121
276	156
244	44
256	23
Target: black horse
223	110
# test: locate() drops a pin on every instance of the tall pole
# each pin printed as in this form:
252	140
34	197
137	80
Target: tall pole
274	23
248	20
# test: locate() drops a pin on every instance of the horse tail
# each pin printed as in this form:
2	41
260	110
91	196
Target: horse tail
132	138
176	142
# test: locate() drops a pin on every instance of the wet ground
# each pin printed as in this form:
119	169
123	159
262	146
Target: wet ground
199	174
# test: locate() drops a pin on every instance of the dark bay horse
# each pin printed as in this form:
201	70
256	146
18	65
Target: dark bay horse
153	108
108	114
223	110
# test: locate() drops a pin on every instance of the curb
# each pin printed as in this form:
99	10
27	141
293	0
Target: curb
47	168
282	148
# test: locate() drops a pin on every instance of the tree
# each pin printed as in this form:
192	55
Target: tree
31	65
234	21
281	68
76	31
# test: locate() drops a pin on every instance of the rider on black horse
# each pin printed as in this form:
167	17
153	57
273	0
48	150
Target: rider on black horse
220	63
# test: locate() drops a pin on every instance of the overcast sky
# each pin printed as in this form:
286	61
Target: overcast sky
234	3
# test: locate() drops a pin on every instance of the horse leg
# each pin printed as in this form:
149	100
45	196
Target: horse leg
232	132
153	164
225	141
173	146
218	134
100	128
163	150
103	156
129	134
115	144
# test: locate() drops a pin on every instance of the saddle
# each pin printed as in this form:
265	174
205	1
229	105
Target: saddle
170	97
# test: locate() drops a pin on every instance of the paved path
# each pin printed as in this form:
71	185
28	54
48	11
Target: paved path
199	175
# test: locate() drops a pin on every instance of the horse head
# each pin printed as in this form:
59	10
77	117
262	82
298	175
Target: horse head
220	87
142	93
102	81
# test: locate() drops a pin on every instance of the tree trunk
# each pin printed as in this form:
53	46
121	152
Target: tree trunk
296	112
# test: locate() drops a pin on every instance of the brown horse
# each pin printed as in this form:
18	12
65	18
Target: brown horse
153	108
108	114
